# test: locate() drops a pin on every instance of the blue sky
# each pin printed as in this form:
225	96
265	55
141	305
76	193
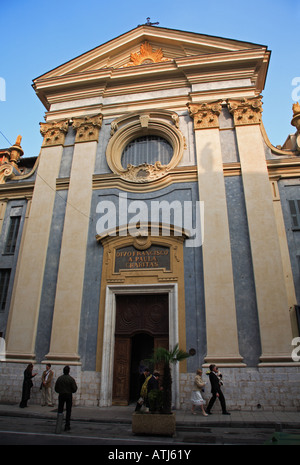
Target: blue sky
37	36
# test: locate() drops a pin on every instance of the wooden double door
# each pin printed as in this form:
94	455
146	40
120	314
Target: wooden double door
142	324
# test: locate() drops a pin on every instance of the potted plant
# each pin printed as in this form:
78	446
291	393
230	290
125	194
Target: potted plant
164	421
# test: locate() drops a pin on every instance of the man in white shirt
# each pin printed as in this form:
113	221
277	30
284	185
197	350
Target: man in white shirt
46	386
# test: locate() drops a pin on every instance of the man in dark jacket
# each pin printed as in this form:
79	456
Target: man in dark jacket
142	378
65	386
216	390
153	386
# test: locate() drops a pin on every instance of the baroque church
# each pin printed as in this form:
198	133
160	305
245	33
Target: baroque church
156	213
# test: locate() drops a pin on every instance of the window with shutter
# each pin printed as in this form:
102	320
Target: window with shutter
4	281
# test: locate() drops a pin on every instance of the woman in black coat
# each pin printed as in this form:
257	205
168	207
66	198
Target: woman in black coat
27	385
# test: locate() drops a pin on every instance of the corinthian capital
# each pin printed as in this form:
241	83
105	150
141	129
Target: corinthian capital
87	128
246	111
54	132
205	115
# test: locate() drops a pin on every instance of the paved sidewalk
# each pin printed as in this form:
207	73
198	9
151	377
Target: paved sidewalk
184	418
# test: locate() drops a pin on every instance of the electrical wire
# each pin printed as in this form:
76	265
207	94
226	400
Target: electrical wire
66	201
6	138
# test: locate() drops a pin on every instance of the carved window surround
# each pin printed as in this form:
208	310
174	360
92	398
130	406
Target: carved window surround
123	130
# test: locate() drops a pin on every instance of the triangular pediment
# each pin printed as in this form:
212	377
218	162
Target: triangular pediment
148	44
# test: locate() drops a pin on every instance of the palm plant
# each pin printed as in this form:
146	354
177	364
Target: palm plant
168	357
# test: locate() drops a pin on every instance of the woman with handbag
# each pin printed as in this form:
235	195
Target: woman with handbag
196	397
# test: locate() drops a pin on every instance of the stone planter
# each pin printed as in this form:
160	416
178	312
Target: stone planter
154	424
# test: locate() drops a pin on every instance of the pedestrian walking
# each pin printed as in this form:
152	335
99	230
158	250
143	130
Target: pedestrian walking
196	397
216	390
154	396
65	386
46	386
27	385
142	379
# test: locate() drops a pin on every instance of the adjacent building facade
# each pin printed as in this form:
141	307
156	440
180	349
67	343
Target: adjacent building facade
156	213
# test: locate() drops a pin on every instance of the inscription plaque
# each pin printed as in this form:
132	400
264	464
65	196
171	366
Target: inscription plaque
130	258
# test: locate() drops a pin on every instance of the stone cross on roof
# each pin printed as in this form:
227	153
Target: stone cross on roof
148	23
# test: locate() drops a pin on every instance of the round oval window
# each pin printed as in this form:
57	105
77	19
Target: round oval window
147	149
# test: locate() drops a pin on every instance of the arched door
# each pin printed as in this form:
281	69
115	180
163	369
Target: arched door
142	324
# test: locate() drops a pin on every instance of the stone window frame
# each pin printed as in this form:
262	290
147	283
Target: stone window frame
125	129
294	208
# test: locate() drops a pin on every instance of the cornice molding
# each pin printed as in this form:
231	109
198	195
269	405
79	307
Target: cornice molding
176	175
191	69
114	181
284	168
281	168
17	190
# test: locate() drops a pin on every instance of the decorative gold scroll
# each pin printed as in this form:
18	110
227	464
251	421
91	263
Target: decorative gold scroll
146	55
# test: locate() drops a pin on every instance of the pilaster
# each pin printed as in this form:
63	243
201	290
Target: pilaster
3	205
70	281
22	325
285	255
270	283
221	325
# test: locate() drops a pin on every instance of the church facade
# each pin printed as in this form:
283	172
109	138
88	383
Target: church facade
157	213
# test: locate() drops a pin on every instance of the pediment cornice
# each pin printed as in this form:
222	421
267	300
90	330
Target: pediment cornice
174	44
149	53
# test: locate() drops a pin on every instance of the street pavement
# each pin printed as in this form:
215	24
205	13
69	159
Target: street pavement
185	420
111	428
